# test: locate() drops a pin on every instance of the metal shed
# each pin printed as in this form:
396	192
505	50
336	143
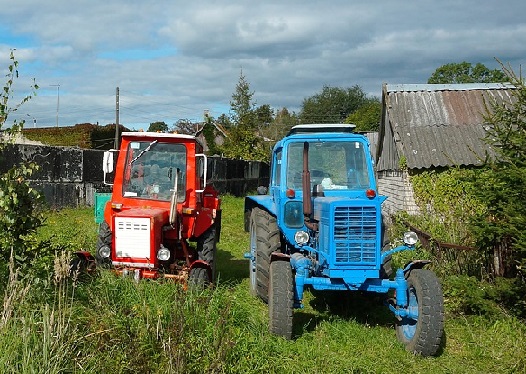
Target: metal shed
431	126
436	125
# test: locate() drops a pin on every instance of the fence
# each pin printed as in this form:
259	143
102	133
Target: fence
69	177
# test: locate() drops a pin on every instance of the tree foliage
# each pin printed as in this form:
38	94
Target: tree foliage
280	125
367	117
465	72
158	127
503	186
185	126
5	108
264	115
332	104
447	199
224	121
244	143
20	215
210	133
241	105
243	139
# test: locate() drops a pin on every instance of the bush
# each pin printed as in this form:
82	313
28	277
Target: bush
19	202
466	295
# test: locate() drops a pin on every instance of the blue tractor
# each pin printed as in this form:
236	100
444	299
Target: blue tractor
320	225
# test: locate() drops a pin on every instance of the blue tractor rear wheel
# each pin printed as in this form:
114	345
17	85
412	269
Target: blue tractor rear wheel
423	334
264	239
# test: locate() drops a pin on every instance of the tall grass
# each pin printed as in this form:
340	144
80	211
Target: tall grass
108	324
36	337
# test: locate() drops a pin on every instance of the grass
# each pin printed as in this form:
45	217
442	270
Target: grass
109	324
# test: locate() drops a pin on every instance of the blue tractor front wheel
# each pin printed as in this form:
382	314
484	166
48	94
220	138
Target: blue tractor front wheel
281	298
423	334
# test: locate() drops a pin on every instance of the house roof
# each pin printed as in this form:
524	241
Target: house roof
435	125
221	132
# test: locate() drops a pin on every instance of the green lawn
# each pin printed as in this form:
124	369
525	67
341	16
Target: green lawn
109	324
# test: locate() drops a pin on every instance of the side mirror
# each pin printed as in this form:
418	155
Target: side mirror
107	163
202	162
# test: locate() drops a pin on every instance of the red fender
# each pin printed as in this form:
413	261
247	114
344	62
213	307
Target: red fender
203	265
90	261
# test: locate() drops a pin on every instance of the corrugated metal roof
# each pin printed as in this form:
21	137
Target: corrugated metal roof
448	87
438	125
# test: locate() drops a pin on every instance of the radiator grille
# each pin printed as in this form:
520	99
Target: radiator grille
355	235
132	237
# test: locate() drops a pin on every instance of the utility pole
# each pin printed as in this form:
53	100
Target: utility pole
116	143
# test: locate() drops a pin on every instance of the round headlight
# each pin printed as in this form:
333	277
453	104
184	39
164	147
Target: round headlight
163	254
104	251
301	237
410	238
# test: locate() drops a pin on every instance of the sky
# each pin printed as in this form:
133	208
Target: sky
175	59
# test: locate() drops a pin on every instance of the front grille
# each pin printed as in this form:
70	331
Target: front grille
132	237
355	235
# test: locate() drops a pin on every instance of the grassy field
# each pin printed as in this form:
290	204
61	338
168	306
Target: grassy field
109	324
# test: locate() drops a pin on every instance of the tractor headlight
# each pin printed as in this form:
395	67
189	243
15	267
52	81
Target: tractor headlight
104	251
301	237
163	254
410	238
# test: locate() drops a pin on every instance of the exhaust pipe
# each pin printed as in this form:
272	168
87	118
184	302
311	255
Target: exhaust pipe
306	188
305	182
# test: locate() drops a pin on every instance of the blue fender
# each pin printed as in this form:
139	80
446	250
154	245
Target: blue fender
264	201
415	264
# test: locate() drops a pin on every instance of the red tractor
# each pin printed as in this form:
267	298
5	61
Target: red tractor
160	202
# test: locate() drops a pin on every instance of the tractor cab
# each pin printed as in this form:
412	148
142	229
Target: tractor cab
160	203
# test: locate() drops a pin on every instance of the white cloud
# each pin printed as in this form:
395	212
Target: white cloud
173	59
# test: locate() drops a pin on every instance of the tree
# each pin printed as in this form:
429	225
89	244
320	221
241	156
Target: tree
20	213
243	140
280	125
264	115
158	127
332	104
502	185
285	118
224	121
465	72
185	126
241	105
367	117
243	143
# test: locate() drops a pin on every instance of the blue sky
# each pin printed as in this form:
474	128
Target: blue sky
174	59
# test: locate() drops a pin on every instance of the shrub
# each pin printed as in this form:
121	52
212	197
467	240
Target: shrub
19	202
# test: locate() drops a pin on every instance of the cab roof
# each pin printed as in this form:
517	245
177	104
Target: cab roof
151	134
321	127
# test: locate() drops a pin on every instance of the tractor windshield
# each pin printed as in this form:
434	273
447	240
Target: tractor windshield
335	165
151	170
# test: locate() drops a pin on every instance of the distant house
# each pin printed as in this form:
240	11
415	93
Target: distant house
220	135
426	126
